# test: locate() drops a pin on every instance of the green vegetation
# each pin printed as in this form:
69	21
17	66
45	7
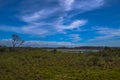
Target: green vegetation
36	64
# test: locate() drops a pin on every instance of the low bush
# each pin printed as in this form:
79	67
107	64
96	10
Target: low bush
4	49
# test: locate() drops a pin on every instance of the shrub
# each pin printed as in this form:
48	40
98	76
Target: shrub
4	49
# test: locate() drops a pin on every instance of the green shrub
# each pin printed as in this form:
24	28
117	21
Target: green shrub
4	49
37	64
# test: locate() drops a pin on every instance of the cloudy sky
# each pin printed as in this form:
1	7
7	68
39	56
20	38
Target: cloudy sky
61	22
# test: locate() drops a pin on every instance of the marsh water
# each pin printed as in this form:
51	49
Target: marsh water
75	50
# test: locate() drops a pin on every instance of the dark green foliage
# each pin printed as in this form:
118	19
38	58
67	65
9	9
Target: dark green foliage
54	51
38	64
4	49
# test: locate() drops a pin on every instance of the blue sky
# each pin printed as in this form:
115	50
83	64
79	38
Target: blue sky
61	22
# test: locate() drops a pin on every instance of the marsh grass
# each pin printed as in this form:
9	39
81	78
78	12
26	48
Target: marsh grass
38	64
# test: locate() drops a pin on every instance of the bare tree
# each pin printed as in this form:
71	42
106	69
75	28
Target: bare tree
16	41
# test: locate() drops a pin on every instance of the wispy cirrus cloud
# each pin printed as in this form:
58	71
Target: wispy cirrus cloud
105	37
111	42
81	5
6	42
38	15
67	4
75	37
44	28
56	18
87	5
30	29
49	44
106	33
54	12
46	17
73	25
37	43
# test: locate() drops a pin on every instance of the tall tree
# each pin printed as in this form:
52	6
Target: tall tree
16	41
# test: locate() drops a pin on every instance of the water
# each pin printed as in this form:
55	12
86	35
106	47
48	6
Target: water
75	50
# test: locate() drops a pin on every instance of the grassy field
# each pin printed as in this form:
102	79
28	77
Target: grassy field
38	64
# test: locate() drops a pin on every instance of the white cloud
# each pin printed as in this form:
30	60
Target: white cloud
29	29
87	5
67	4
58	11
46	12
44	28
6	42
49	15
111	42
49	44
75	37
73	25
9	29
34	30
38	15
107	33
81	5
44	19
33	43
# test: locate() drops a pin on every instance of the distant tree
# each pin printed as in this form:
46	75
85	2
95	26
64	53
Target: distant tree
16	41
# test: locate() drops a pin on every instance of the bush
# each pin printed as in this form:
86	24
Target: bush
4	49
